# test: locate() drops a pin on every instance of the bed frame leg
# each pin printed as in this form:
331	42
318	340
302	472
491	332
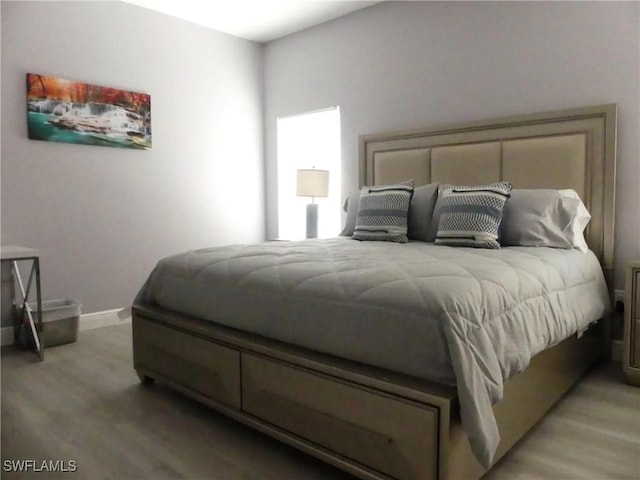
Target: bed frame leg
145	379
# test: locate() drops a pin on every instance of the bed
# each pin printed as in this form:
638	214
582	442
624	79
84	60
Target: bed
294	339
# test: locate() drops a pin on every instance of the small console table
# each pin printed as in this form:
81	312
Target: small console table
15	254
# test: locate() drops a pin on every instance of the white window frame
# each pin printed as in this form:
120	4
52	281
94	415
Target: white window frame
308	140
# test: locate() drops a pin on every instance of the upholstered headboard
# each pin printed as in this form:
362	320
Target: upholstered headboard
561	149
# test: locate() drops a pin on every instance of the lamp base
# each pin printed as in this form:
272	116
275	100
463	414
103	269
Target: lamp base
312	220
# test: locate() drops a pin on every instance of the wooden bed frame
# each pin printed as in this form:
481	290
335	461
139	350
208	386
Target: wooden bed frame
373	423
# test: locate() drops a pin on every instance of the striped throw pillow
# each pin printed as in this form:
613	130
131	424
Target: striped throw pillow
383	213
470	215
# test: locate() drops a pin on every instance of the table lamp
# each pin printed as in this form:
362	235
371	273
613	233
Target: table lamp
312	183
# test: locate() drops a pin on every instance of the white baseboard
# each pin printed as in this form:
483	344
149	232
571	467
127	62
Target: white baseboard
107	318
616	350
6	336
88	321
619	296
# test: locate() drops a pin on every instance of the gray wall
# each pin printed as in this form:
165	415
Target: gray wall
102	217
404	65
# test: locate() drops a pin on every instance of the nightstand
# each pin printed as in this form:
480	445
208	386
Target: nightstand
631	352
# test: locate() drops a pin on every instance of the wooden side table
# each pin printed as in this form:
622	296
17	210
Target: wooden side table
631	352
15	254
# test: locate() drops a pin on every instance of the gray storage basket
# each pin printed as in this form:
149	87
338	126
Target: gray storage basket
60	321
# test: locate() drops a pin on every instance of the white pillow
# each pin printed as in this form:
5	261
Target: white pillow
580	219
544	218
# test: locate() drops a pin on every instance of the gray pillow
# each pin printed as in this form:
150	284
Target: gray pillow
544	218
351	207
420	211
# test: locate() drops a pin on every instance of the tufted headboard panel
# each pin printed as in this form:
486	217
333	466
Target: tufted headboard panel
573	148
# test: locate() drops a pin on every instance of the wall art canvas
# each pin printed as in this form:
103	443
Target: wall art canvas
61	110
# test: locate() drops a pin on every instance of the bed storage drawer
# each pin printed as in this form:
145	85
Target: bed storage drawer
394	436
207	368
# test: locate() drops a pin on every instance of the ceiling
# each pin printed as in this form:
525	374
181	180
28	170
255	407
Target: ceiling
257	20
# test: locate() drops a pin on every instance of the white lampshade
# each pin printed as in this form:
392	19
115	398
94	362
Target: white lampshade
313	183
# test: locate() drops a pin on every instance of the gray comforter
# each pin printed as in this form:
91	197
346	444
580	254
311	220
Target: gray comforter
459	316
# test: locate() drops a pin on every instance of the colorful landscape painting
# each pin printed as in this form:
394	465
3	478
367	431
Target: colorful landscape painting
60	110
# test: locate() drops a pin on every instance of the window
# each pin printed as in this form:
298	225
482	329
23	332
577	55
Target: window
309	140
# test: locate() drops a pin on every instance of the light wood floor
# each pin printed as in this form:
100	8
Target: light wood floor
84	403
